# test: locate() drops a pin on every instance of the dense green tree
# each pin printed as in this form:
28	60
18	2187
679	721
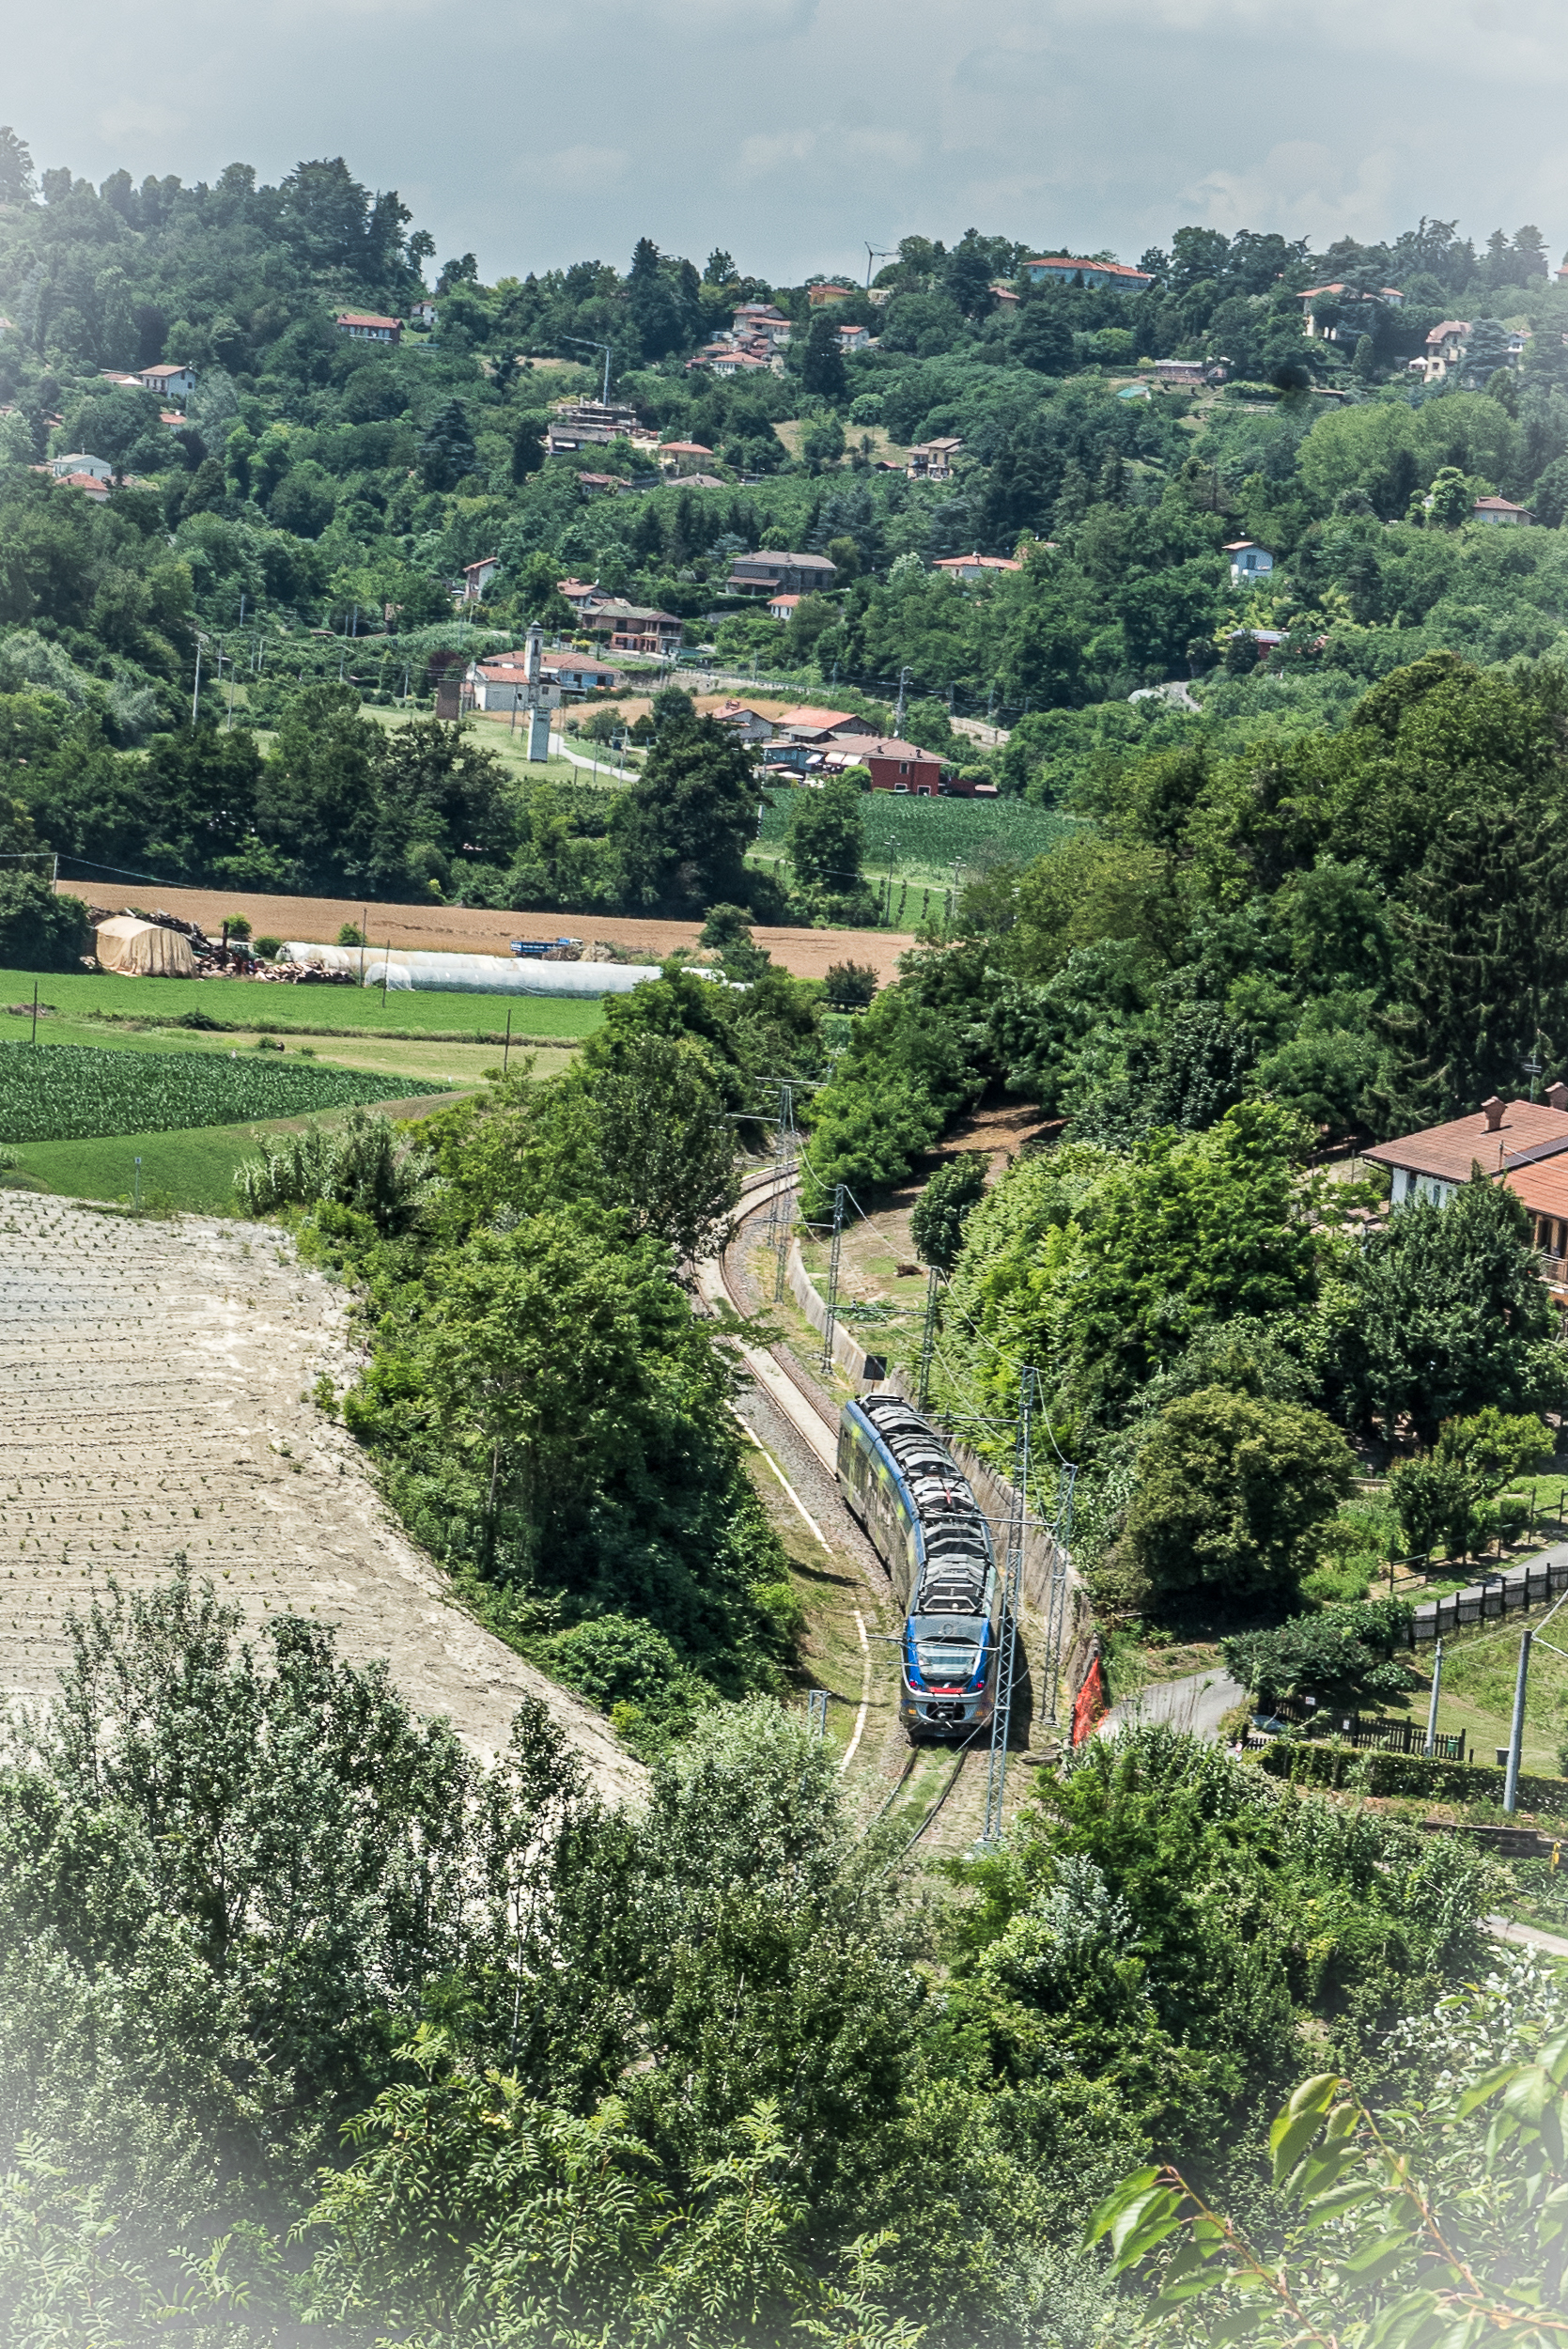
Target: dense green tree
315	801
666	1145
826	838
1043	339
937	1225
1450	1315
1231	1491
446	451
39	929
1345	1657
683	827
822	369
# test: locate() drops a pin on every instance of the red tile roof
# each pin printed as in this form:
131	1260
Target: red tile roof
812	720
1065	260
1449	1152
972	562
889	746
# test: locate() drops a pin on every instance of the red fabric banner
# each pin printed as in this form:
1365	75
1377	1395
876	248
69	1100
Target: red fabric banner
1089	1705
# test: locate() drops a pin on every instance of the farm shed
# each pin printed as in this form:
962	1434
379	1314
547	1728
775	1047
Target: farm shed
144	950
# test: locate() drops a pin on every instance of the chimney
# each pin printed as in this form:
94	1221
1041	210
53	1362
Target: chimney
1556	1095
1492	1110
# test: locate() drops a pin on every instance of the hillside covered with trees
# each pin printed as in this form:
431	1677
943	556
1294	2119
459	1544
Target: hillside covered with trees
312	481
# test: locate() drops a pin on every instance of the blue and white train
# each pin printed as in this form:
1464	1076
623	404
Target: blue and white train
925	1524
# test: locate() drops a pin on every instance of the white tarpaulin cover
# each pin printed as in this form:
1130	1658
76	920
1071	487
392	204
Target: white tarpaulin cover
470	975
144	949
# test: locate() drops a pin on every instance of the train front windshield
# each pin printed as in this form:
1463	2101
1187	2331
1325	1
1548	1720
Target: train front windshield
946	1651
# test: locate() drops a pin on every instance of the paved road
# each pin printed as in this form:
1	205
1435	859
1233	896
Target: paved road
1529	1936
1199	1702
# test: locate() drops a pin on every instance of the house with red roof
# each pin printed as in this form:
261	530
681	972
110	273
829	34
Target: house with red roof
755	321
891	764
782	607
171	380
368	326
579	673
813	725
969	567
1503	511
1521	1144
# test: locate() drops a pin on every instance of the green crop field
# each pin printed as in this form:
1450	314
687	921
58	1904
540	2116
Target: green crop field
66	1091
249	1004
928	838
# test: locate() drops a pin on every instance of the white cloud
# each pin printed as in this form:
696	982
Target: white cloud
767	151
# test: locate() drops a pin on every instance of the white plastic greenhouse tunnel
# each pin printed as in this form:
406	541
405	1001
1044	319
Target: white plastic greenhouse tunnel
470	975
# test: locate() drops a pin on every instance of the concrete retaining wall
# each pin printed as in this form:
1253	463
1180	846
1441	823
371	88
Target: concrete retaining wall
850	1355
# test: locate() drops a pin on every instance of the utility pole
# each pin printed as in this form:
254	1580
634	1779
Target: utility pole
1007	1628
1517	1731
928	1337
778	1213
583	343
904	676
832	1322
1056	1605
1432	1708
196	693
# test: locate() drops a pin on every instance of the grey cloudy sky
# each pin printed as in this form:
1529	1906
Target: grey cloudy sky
537	132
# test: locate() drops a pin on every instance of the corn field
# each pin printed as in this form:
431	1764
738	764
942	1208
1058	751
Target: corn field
928	838
71	1093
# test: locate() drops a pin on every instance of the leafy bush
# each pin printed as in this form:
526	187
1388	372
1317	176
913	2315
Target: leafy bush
38	930
937	1225
359	1165
1343	1656
1435	1505
850	986
1440	2223
1442	1499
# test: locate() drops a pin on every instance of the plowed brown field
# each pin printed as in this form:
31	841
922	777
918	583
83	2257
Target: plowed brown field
478	930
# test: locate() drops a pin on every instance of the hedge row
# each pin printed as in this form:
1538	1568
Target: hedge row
1330	1765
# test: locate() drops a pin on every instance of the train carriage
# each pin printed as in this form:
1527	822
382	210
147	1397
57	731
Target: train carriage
925	1524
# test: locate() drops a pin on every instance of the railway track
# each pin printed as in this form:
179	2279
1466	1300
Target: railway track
811	1419
810	1416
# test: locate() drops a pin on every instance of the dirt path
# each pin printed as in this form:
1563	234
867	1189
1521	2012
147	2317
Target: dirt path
155	1383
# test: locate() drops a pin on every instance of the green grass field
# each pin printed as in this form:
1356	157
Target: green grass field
249	1004
189	1172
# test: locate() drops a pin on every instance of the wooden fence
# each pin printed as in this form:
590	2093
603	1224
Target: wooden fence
1369	1731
